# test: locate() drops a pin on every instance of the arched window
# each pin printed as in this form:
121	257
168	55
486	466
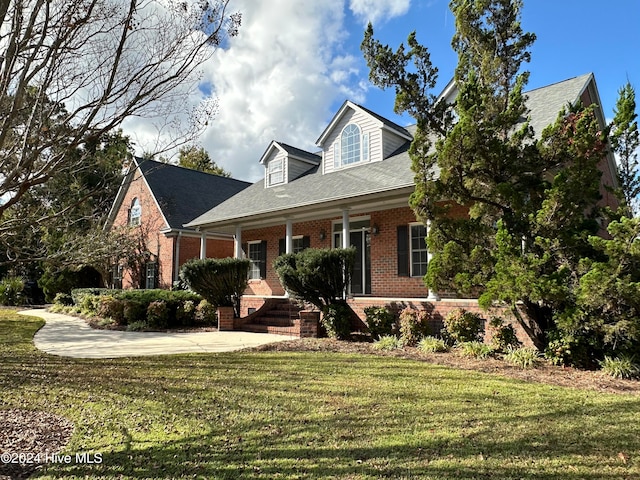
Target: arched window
350	144
135	212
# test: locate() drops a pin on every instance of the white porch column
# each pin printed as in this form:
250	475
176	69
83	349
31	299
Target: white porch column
345	229
203	245
176	259
289	237
237	246
433	295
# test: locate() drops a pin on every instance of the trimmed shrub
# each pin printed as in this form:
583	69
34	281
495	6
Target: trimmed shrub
474	349
78	294
158	314
206	313
186	313
63	299
504	335
11	291
219	281
113	308
319	276
380	321
134	311
623	366
431	344
462	326
413	325
336	319
139	326
388	342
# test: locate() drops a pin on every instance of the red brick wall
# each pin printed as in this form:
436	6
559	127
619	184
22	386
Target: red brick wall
384	269
157	243
439	310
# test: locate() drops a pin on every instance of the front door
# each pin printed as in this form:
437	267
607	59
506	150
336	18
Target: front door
359	237
361	280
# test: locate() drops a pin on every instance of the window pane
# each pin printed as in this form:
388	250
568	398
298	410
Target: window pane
418	250
350	144
254	256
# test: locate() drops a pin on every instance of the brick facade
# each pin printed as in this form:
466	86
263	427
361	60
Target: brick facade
161	247
384	262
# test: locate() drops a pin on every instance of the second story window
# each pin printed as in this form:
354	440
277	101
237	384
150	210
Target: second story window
135	213
350	145
276	172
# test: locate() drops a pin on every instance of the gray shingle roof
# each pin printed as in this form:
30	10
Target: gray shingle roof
183	193
394	172
303	154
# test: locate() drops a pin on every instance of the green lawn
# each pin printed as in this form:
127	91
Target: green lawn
314	415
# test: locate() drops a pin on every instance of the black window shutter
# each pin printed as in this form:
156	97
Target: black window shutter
282	247
306	241
263	259
403	251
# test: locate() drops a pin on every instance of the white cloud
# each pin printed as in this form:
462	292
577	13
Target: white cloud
375	10
279	78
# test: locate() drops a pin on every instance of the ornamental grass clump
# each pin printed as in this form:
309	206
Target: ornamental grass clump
387	343
475	350
623	366
524	357
430	344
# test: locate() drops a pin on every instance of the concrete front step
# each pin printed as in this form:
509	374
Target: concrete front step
293	330
276	321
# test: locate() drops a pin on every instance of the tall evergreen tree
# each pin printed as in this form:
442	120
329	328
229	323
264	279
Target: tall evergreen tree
526	230
625	141
199	159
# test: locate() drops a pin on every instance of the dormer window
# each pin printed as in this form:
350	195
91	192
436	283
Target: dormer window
352	147
276	172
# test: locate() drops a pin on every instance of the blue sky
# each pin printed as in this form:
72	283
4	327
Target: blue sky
294	63
573	37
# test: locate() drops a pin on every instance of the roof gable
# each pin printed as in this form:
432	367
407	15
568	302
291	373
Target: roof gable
382	122
180	193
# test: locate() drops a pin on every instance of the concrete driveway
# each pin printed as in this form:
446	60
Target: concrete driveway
72	337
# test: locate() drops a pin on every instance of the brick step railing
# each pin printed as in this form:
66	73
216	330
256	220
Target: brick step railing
293	329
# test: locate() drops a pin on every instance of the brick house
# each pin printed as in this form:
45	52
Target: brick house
354	192
155	200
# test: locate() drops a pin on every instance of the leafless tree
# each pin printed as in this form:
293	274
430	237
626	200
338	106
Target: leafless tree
72	70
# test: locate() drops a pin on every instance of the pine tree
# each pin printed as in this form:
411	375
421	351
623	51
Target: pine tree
509	215
625	141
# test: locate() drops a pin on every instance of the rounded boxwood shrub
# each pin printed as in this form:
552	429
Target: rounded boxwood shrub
206	314
158	314
380	321
413	325
113	308
134	311
461	326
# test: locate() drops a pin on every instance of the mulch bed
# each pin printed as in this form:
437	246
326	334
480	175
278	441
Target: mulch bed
26	438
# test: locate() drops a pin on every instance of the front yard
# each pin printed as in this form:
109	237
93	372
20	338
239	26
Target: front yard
313	414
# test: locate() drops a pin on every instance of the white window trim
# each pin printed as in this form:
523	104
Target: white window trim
135	221
416	224
272	171
359	161
253	242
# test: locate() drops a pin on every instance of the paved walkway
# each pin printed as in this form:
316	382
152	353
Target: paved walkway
72	337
